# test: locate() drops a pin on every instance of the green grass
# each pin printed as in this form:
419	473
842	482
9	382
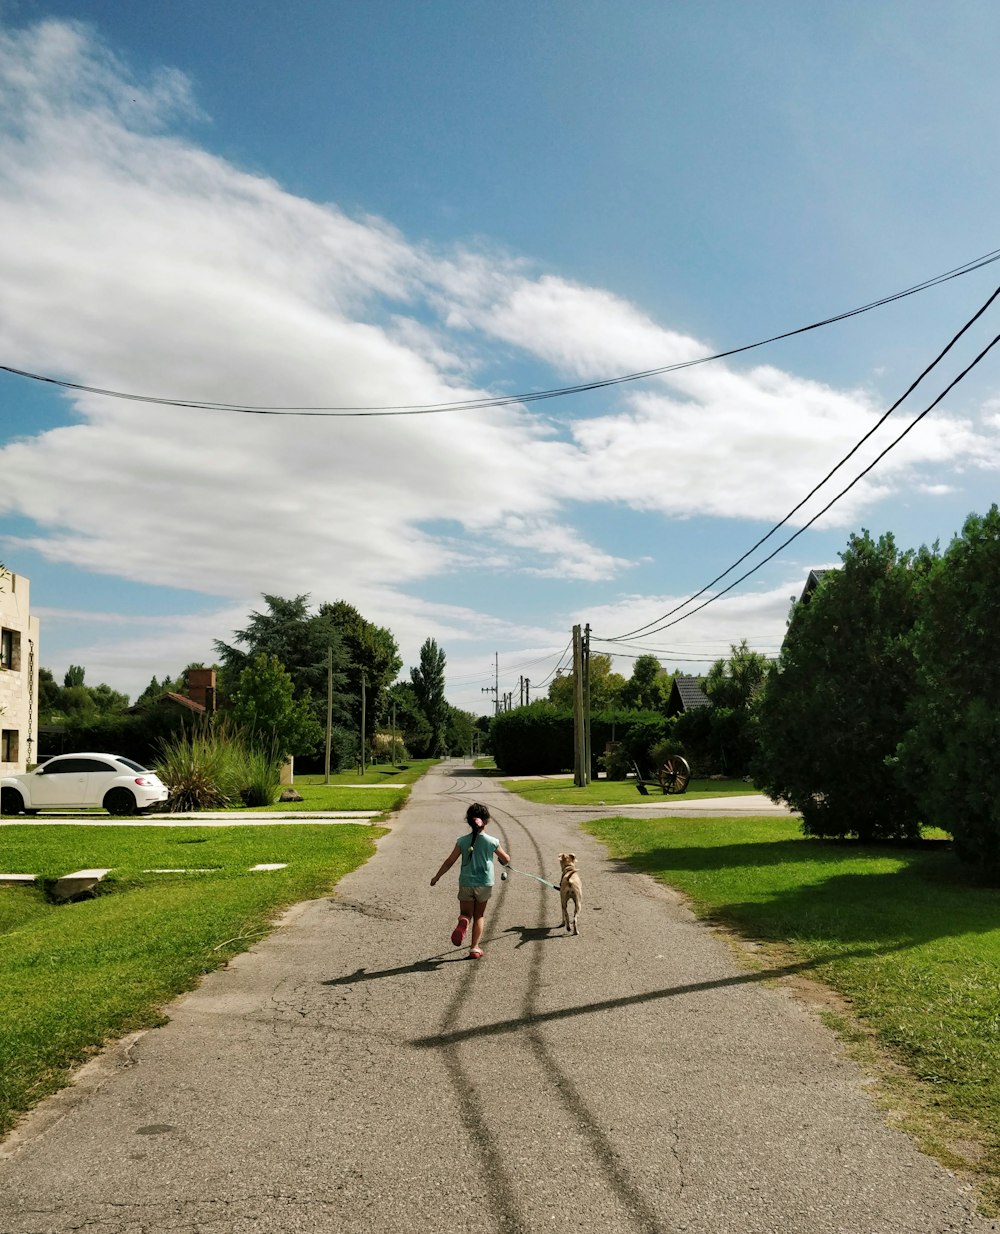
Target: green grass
905	934
73	976
619	792
390	791
381	773
486	763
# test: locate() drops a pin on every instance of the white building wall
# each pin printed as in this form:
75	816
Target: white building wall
18	675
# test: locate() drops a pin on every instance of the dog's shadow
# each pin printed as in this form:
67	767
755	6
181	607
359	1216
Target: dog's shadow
534	934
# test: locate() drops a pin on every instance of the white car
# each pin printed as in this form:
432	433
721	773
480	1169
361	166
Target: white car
73	781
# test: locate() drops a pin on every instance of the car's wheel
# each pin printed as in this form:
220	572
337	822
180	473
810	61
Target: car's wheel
120	801
11	801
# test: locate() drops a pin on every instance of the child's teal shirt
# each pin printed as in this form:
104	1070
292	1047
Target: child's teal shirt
477	870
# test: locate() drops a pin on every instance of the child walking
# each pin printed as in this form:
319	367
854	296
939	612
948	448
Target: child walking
475	878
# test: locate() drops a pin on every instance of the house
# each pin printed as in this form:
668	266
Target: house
812	582
18	674
686	694
200	698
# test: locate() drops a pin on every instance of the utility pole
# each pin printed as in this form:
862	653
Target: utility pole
329	712
364	683
579	763
587	761
527	691
495	688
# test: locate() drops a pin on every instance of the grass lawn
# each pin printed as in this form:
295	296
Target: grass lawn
618	792
905	934
75	975
387	787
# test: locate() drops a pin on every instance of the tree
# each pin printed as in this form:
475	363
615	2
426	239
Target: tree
74	676
739	681
460	731
649	686
300	641
950	753
428	686
837	704
410	719
266	708
371	652
49	695
606	687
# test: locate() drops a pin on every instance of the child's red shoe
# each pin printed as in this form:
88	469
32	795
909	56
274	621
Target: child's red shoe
459	931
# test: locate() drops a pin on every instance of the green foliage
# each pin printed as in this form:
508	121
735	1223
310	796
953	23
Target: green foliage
605	686
410	719
372	652
648	689
951	752
533	740
201	767
268	713
428	687
74	702
460	730
301	642
837	707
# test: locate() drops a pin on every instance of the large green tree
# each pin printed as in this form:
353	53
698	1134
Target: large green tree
266	709
428	686
837	704
605	686
301	641
372	655
951	752
648	689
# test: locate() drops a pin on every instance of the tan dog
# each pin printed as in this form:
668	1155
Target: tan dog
570	888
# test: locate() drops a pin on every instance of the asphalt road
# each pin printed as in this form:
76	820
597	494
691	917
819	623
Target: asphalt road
355	1073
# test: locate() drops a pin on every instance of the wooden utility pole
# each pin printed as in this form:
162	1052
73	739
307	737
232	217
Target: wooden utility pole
579	745
364	683
329	712
588	764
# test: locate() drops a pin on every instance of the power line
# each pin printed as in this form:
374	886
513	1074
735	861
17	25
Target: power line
891	446
483	404
647	628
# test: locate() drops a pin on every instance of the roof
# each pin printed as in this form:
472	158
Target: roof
686	694
812	582
170	697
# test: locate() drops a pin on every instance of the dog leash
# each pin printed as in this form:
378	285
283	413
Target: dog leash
503	876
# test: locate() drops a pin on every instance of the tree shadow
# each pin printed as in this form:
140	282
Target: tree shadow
534	1019
928	895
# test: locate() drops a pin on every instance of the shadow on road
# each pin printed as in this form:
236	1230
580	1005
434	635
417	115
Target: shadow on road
532	1020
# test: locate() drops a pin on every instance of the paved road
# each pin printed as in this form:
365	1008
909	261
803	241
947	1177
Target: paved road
355	1073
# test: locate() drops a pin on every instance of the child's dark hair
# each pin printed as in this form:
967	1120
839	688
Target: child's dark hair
477	816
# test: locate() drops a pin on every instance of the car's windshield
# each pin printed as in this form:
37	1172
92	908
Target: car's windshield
128	763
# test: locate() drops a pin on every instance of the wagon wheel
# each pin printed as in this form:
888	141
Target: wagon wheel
674	774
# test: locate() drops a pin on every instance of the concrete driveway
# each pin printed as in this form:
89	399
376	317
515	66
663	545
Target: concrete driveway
355	1073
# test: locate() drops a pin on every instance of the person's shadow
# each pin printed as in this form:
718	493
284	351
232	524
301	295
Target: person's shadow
430	965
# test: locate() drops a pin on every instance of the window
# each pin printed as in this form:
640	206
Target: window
10	649
9	745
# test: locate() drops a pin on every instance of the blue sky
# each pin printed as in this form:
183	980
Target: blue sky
401	203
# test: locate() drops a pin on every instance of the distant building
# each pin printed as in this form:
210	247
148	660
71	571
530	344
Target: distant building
18	675
686	694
